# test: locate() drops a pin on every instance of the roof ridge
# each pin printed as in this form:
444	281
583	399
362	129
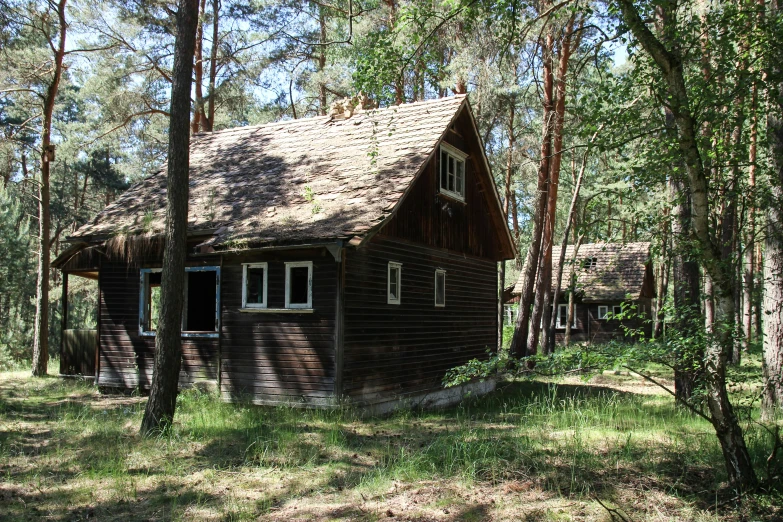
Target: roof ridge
315	119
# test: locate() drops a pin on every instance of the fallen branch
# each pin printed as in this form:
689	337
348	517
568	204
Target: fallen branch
613	512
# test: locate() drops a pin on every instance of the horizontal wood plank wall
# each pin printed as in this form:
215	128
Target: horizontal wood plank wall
392	351
603	330
438	221
279	357
126	358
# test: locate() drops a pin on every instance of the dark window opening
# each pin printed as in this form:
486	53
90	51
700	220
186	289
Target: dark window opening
440	288
255	285
153	301
299	285
200	314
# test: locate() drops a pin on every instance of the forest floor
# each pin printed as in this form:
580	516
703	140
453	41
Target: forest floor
567	450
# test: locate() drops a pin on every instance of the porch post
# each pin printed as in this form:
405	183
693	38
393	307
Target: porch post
64	324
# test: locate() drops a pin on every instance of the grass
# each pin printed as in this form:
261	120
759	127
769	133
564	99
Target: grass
529	451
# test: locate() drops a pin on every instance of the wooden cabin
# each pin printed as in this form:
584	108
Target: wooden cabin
350	258
611	278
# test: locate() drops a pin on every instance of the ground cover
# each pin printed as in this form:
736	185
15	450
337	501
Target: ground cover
553	450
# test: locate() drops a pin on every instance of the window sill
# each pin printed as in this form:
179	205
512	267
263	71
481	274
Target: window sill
452	196
276	310
187	335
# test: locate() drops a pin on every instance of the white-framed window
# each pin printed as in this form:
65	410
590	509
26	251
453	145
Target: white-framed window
589	263
254	285
201	306
452	171
440	287
617	310
299	284
603	310
562	316
393	283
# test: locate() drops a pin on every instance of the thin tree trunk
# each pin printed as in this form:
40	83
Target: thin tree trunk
322	62
209	123
530	268
41	333
662	283
506	204
159	412
550	338
554	183
749	274
198	110
735	453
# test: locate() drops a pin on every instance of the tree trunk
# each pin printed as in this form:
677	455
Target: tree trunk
735	453
687	302
41	333
209	123
321	63
530	268
662	284
773	256
550	338
506	204
749	265
198	59
159	412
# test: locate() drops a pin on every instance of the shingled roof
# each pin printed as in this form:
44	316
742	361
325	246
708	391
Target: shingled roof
615	270
292	182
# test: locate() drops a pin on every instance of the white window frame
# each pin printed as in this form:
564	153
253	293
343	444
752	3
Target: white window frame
295	264
440	271
460	157
617	309
557	317
144	321
389	298
605	309
245	266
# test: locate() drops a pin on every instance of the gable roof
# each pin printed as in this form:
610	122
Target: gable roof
619	270
293	182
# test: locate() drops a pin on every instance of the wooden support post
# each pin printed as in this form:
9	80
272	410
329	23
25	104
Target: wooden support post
338	327
64	325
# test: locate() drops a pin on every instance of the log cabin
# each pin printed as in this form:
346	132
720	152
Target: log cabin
349	258
611	279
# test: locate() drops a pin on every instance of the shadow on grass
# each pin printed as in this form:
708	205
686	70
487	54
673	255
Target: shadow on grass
571	440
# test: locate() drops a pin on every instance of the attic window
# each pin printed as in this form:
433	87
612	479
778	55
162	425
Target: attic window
589	263
452	171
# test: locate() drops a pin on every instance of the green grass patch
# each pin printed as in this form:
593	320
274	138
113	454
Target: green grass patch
70	452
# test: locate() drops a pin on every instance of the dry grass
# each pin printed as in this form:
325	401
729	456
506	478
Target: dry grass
530	451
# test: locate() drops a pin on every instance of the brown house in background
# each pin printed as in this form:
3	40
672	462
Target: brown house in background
608	276
350	257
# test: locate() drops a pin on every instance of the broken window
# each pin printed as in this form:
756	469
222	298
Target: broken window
200	311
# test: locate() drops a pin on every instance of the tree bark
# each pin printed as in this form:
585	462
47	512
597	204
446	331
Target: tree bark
159	412
662	283
532	259
198	74
506	205
209	123
735	453
41	333
773	256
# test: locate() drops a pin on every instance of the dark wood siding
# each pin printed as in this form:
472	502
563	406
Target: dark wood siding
594	330
439	221
397	350
125	357
279	356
